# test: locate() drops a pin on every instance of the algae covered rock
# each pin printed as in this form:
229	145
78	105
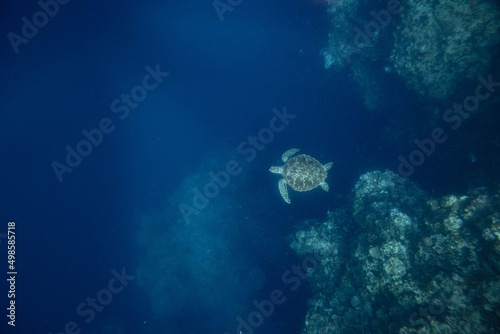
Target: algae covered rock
406	263
440	43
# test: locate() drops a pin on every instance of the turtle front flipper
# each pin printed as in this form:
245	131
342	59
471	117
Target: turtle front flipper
324	185
283	190
328	165
288	154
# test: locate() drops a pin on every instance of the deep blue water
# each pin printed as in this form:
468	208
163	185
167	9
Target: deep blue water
225	78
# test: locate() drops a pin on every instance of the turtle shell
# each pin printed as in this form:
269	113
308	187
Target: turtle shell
303	172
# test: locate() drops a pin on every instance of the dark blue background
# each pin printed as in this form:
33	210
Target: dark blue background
225	78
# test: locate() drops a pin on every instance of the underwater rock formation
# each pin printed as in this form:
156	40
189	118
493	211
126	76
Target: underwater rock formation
199	266
349	46
432	46
439	44
405	262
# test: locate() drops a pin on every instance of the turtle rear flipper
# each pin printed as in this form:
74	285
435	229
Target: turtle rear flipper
324	185
283	190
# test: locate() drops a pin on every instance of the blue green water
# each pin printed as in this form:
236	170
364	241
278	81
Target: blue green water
117	117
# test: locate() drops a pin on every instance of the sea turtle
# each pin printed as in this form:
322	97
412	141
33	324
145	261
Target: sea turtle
301	172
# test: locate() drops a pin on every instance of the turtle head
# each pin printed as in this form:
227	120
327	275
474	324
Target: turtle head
277	170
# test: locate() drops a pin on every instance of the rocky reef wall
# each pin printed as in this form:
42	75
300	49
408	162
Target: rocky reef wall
432	46
439	44
400	261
